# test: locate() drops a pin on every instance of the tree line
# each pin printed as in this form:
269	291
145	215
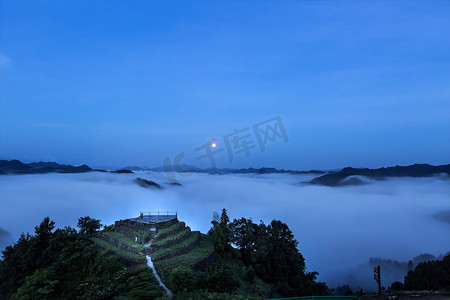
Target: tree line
269	251
428	275
60	263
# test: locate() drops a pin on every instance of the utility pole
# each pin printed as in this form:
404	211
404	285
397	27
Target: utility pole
377	277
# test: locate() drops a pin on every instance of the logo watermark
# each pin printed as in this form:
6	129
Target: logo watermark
239	142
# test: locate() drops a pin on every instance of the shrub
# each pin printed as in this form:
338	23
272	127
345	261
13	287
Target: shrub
181	279
250	276
223	280
397	286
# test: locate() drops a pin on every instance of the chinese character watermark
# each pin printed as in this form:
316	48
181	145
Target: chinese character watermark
238	142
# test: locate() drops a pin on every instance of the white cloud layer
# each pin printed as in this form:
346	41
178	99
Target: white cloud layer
337	228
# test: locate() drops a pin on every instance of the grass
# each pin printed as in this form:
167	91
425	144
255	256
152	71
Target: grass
204	249
178	236
133	270
143	233
256	288
171	228
184	244
119	251
124	239
147	275
144	285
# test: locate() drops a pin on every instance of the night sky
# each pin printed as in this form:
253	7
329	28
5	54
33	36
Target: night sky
119	83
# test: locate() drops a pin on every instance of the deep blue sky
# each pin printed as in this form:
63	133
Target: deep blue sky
115	83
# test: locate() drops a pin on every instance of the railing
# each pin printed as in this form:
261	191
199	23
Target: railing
158	214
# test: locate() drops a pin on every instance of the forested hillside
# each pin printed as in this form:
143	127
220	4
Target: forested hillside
108	263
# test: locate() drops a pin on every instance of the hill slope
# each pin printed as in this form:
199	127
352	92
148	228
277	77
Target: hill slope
341	177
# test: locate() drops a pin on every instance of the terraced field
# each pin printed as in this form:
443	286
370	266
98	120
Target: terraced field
169	247
198	258
177	246
126	257
172	239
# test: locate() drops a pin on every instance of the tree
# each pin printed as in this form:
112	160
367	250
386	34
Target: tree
219	240
225	225
216	218
221	232
271	250
181	279
44	230
59	264
244	235
410	265
88	225
222	279
40	253
224	220
18	262
343	290
429	275
397	286
250	275
41	285
286	260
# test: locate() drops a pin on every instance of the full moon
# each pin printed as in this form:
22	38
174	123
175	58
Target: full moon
213	145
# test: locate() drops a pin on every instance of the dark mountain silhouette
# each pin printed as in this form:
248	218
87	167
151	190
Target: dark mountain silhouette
341	177
123	171
273	170
147	183
264	170
18	167
135	168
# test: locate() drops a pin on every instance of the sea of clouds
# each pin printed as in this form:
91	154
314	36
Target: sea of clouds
338	228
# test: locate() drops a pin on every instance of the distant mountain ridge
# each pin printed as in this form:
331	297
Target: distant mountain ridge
136	168
18	167
345	176
190	168
341	177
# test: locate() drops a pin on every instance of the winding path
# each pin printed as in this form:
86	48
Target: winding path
151	266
